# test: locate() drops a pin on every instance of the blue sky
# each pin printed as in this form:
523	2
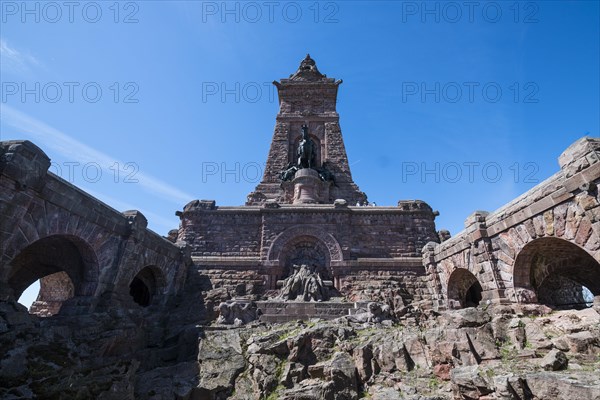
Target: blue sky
151	104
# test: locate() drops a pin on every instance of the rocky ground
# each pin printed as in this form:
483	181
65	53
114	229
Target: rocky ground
499	352
475	353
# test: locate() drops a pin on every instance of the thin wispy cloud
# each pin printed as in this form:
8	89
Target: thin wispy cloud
75	150
153	218
15	61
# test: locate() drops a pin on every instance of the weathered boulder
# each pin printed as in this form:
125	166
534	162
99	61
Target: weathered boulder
442	371
547	385
292	374
265	371
455	355
555	360
363	358
221	361
468	383
342	372
583	342
466	317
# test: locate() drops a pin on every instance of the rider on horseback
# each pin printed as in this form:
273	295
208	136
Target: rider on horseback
306	150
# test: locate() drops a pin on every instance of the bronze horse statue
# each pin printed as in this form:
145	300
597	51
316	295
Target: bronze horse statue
306	150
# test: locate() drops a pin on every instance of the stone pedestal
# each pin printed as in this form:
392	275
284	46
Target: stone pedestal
307	185
285	311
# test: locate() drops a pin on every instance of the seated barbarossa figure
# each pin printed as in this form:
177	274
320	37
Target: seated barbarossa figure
304	284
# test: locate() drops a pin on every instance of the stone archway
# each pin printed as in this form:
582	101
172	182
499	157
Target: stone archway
557	273
303	244
65	265
146	286
306	250
464	290
290	235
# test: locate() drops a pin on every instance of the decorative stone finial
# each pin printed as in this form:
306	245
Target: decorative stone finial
307	71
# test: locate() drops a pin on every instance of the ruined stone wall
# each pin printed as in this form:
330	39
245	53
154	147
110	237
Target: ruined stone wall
48	225
520	252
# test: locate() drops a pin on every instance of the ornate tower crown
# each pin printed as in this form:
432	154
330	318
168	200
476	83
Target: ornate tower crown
308	98
307	71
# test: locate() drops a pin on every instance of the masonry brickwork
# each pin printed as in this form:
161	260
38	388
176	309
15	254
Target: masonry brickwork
350	243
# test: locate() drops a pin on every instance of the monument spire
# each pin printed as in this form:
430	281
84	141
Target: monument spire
308	117
307	71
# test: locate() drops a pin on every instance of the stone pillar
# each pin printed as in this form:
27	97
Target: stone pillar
271	282
306	186
432	278
25	163
297	96
337	282
23	171
494	287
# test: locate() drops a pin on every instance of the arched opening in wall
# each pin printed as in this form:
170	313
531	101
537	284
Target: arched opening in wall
146	285
55	289
306	250
45	296
464	290
30	294
62	266
557	273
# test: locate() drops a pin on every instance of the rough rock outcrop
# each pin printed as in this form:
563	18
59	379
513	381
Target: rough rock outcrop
474	353
500	353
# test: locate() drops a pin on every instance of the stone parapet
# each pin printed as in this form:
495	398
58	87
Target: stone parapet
285	311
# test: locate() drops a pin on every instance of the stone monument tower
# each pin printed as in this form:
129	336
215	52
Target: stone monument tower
307	107
302	218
